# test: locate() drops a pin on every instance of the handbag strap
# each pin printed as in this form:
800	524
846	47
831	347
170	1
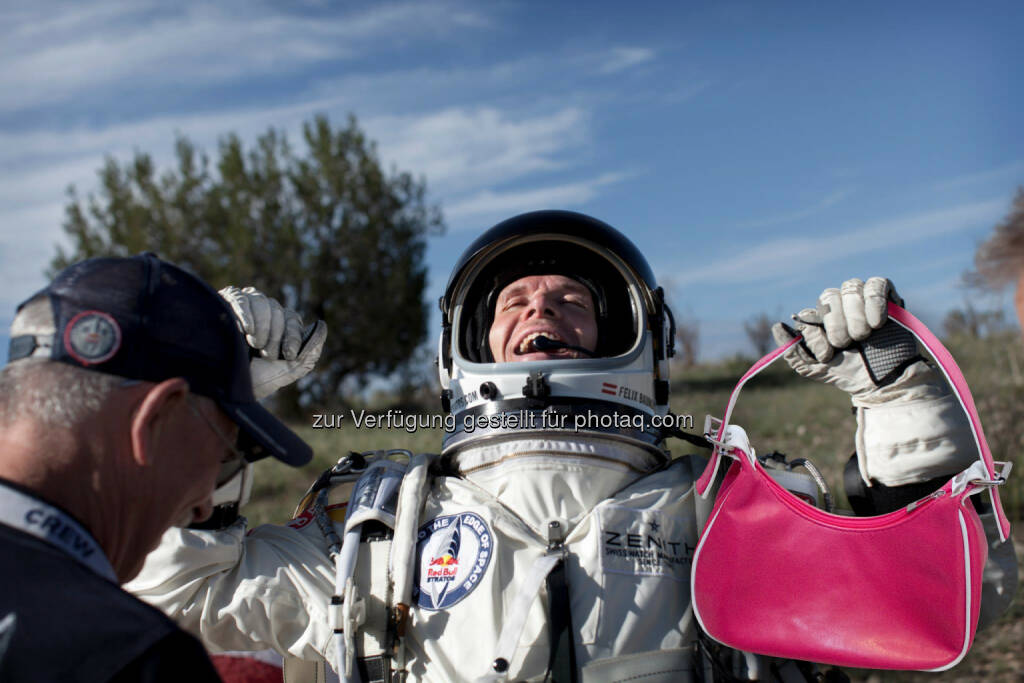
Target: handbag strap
703	486
953	376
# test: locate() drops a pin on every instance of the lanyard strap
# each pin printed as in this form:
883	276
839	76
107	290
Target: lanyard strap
945	362
56	527
562	653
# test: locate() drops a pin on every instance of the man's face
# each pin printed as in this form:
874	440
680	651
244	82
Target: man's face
213	437
555	306
190	441
194	448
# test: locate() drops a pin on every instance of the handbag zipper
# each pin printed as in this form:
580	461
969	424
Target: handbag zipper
821	516
921	501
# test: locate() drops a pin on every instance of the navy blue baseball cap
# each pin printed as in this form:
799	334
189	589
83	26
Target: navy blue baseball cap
144	318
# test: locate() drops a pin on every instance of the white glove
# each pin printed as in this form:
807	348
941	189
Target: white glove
276	333
910	428
832	352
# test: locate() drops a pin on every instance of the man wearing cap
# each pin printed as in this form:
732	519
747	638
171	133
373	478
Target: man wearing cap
546	541
127	387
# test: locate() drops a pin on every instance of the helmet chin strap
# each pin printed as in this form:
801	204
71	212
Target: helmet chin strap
542	343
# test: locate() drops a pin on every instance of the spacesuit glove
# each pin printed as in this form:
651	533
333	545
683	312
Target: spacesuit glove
910	427
849	341
276	333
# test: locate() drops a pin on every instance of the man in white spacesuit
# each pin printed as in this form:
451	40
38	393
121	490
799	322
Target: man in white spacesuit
551	538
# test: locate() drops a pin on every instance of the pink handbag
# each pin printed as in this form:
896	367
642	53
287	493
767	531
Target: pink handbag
777	576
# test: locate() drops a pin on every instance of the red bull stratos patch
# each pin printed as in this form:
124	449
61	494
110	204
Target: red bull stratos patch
453	554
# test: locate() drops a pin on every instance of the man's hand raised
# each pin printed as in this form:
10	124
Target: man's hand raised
849	340
284	352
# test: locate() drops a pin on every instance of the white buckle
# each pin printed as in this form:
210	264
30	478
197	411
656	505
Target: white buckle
712	425
1003	473
978	476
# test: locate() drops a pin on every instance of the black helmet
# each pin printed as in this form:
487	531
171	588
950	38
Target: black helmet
629	368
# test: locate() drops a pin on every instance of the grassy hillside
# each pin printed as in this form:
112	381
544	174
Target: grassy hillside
780	411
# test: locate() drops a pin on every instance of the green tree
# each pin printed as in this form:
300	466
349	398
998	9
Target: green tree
759	332
328	232
974	323
687	339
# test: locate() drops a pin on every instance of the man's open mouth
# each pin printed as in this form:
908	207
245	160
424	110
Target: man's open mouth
526	343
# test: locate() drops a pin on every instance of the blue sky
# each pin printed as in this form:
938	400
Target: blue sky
755	152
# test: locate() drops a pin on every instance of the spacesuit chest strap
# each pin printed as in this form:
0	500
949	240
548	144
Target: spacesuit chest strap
375	496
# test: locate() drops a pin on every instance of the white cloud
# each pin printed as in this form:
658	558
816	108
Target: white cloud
622	58
949	290
464	149
775	258
462	152
45	148
50	57
792	216
22	190
421	87
1011	171
489	202
458	149
22	263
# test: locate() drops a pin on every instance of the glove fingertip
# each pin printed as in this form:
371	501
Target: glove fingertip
291	341
878	291
893	294
320	333
817	343
315	343
783	334
838	337
808	316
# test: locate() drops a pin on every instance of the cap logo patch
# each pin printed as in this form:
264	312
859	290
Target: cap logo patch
453	554
92	337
